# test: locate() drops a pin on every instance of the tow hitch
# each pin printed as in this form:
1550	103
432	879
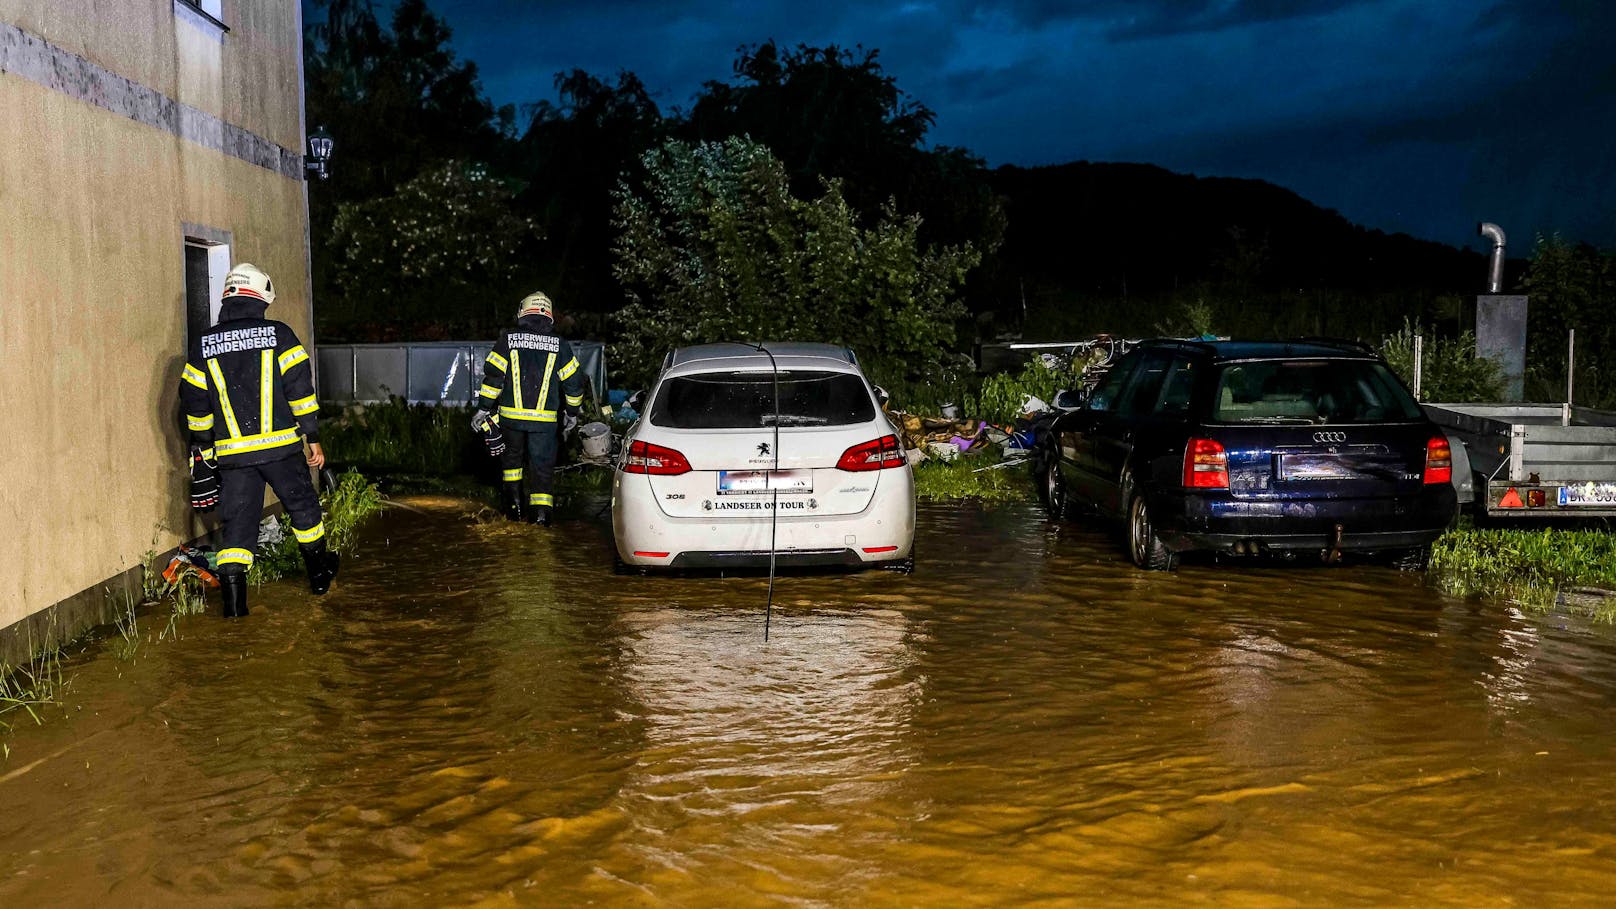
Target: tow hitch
1333	554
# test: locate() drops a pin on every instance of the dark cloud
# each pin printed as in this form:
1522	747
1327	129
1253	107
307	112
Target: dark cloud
1188	16
1128	19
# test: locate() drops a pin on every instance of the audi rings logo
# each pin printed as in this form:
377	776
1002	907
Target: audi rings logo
1329	437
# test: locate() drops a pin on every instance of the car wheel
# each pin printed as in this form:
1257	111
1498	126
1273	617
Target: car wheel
1057	500
1144	546
1415	559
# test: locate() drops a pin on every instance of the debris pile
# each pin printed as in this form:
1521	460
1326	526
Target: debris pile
944	438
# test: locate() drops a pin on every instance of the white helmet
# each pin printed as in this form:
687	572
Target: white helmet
246	280
536	304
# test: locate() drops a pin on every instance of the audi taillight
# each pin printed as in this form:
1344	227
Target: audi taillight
645	457
1206	465
876	454
1438	461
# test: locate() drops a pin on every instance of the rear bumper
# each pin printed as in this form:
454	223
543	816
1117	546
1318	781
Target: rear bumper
1215	521
646	537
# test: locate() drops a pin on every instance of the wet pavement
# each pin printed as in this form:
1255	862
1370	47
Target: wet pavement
483	714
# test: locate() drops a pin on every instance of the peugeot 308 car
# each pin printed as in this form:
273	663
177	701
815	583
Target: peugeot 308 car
714	476
1251	448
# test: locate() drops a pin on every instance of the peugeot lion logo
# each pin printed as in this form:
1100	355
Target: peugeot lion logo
763	448
1329	437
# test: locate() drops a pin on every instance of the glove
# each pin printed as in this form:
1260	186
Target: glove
486	425
569	422
204	482
494	439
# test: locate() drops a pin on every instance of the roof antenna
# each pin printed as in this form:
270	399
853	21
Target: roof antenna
774	490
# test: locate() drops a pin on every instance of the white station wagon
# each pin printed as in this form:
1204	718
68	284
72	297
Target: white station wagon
711	471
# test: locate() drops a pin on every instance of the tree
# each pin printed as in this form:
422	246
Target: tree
446	251
833	112
1572	286
399	104
572	155
713	246
396	100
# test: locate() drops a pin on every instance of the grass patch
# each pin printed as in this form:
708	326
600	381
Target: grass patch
1533	568
402	438
28	688
984	477
354	499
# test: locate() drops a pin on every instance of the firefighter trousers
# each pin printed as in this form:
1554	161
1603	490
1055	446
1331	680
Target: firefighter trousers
241	506
529	459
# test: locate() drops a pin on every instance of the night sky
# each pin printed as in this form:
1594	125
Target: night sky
1422	116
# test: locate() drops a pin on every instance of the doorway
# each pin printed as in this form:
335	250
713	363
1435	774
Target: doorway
206	264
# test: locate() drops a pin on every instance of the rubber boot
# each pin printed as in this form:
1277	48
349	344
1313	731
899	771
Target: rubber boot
513	501
233	589
539	515
321	564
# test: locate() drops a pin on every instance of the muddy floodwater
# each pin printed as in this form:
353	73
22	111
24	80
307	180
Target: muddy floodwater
483	714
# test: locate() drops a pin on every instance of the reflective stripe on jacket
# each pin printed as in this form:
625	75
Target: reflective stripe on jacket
528	376
247	391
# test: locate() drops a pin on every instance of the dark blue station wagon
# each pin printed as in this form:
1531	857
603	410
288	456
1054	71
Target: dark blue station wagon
1251	448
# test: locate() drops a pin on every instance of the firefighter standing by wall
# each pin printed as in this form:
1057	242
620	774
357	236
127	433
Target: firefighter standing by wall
248	395
524	378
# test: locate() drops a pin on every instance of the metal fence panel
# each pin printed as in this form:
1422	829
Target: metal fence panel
336	374
379	372
428	372
439	375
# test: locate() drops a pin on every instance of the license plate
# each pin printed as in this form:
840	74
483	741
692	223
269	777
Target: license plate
1589	494
757	482
1302	467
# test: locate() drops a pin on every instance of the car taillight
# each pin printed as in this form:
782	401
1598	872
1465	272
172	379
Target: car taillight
876	454
1206	466
644	457
1438	461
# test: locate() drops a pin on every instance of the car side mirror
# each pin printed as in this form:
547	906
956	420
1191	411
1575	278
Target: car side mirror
635	401
1070	399
881	395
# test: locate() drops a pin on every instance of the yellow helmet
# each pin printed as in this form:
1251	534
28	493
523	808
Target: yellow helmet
247	280
536	304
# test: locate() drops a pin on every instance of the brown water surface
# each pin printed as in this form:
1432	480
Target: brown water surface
483	714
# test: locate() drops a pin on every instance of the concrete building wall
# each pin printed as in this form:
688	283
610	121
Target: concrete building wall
129	125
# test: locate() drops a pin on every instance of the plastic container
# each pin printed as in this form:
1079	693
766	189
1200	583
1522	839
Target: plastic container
596	439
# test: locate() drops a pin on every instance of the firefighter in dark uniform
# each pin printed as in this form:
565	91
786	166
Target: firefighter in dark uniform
248	395
526	377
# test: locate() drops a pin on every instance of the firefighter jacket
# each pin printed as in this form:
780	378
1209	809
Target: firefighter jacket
526	374
248	392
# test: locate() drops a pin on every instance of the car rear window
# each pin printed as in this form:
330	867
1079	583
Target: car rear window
1311	391
745	400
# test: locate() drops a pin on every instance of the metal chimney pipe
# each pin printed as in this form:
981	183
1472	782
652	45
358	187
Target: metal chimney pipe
1495	265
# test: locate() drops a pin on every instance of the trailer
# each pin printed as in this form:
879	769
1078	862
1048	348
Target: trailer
1535	460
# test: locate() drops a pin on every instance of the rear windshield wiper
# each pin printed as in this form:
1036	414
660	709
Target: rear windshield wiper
791	419
1282	421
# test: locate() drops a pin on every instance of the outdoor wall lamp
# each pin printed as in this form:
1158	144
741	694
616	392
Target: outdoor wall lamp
320	146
